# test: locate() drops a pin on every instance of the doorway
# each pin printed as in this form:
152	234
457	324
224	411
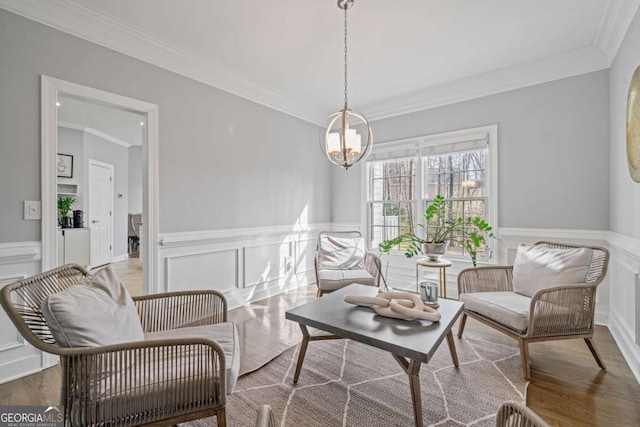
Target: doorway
52	91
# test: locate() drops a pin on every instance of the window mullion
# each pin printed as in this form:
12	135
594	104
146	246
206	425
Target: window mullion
418	205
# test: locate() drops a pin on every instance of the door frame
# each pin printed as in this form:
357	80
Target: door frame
93	162
51	88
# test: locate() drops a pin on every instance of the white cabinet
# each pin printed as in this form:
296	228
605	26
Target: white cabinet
74	246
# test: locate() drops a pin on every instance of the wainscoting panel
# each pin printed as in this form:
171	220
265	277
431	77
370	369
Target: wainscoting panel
624	273
305	254
247	264
17	357
206	270
266	263
10	338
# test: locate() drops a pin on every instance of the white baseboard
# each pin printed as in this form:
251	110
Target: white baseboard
625	340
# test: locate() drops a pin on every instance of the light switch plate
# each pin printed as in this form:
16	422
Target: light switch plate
32	209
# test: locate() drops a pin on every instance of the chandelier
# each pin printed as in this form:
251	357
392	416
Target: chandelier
341	136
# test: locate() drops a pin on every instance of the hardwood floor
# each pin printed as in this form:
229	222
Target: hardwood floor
567	387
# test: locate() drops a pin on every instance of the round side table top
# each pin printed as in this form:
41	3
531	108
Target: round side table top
440	263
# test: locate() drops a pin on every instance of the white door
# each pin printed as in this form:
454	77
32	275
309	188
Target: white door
101	212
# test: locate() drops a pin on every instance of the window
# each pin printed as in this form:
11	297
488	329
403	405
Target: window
404	177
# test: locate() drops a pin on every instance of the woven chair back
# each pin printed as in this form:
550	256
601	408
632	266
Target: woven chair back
22	300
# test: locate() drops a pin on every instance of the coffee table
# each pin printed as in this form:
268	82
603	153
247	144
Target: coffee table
416	344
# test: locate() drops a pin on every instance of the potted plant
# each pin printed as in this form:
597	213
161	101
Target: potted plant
439	228
64	207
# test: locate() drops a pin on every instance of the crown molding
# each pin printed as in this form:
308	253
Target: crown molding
82	22
614	25
95	132
568	64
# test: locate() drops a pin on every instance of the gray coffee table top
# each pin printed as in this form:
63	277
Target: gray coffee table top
416	339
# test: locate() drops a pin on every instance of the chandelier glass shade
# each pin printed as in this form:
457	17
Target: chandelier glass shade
346	136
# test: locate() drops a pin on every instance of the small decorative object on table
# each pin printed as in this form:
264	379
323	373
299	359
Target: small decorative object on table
429	293
398	305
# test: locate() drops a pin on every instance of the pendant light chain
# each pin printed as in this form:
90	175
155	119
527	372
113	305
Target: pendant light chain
345	57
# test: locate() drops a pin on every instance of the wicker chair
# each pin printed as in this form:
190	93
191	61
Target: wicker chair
514	414
157	382
331	280
558	312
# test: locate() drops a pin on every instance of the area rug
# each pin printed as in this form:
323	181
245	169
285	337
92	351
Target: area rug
345	383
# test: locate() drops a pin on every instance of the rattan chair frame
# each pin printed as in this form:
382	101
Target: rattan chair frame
193	369
372	262
515	414
548	318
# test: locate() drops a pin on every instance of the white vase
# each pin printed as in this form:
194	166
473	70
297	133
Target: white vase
433	251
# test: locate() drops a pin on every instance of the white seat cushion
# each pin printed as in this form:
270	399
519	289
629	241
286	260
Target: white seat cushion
225	334
97	311
330	280
508	308
538	267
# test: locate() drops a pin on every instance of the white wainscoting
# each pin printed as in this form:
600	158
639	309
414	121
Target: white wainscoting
17	357
244	264
624	274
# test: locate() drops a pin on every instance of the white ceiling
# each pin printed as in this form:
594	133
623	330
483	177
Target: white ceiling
403	55
119	126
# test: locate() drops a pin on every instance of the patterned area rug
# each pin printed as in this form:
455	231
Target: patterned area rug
345	383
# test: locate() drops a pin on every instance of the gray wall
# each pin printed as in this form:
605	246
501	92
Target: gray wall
625	193
135	179
224	162
553	152
96	148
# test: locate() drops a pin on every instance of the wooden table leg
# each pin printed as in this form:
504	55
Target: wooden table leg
417	279
443	281
452	348
416	398
412	369
303	351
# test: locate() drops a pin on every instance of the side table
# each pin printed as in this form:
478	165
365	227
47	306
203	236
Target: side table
441	265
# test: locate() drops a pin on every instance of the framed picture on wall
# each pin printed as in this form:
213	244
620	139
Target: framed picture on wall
64	166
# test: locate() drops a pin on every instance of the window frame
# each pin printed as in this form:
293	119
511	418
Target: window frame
418	146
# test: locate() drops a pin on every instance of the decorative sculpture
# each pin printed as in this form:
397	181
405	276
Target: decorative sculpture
398	305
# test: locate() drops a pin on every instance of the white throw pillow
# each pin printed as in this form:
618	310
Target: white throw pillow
98	312
538	267
338	253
